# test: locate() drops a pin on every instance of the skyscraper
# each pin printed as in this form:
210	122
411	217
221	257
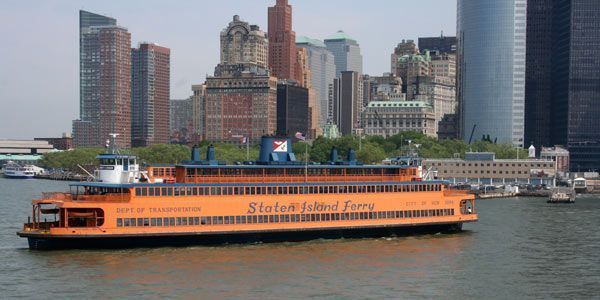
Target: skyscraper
538	85
282	48
347	101
245	44
575	109
322	68
105	82
241	98
491	63
292	109
89	78
346	52
150	91
442	44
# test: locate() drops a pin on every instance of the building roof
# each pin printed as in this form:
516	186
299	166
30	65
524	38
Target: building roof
392	103
21	157
339	35
309	41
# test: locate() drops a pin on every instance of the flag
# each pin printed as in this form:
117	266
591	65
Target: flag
300	136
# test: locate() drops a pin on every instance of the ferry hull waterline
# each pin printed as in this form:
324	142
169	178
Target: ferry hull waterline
276	199
224	238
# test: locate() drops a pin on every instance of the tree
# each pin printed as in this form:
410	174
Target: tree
371	153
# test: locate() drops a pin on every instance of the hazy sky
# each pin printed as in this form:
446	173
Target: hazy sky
39	46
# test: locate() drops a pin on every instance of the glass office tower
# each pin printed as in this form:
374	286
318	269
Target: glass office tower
491	61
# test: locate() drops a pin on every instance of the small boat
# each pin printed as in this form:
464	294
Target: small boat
562	195
14	170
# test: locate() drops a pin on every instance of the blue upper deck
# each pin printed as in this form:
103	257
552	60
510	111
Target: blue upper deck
245	184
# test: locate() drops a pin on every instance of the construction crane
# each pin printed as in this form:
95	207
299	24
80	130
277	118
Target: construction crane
472	131
382	124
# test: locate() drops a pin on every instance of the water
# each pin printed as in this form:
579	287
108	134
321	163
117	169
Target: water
520	248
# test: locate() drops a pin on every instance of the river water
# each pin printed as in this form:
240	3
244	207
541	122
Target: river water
520	248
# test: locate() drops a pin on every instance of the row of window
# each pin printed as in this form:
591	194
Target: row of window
291	171
285	190
483	172
539	165
284	218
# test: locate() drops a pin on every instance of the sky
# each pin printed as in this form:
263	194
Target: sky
39	44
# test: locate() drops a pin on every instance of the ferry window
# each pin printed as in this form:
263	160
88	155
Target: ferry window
188	191
327	217
140	221
151	191
215	220
138	191
303	218
177	191
119	222
164	191
226	220
178	221
126	222
244	220
158	221
271	218
144	192
215	191
171	221
203	220
146	222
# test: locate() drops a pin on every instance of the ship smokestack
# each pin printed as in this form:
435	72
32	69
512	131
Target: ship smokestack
195	153
333	155
351	155
210	153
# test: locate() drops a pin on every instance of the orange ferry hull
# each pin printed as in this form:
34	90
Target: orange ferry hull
50	242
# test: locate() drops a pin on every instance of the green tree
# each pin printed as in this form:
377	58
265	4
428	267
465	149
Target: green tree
371	153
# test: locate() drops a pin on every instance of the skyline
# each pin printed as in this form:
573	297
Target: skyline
189	30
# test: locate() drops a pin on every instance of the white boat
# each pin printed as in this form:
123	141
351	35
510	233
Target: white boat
13	170
562	195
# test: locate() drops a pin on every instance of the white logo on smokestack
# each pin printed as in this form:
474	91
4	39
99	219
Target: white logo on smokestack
280	146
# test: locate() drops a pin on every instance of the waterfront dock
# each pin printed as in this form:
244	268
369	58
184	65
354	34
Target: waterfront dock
62	176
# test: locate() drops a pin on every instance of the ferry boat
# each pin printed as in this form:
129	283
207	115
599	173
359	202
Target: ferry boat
14	170
276	198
